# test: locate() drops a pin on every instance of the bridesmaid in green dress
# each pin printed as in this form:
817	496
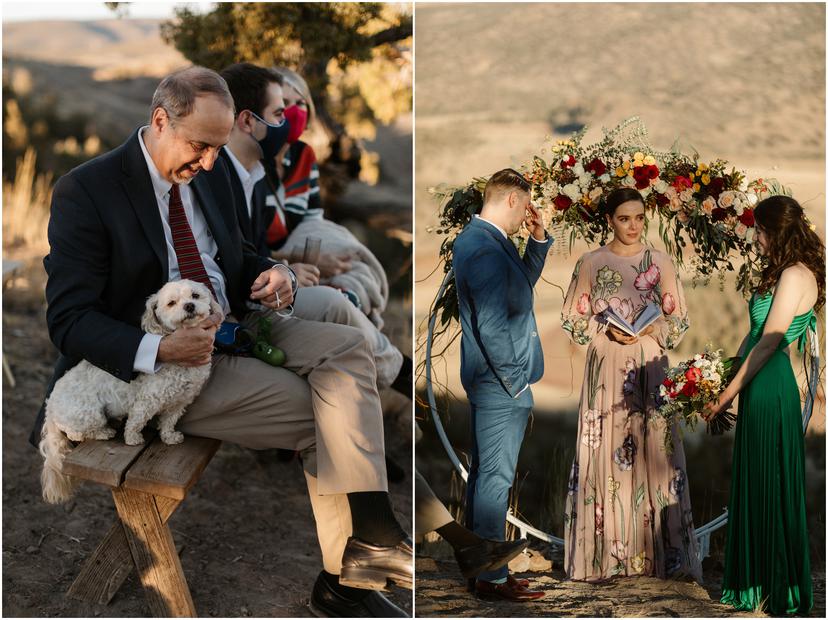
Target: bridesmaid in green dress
766	558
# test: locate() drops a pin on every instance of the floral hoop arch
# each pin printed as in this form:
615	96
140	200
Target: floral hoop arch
691	200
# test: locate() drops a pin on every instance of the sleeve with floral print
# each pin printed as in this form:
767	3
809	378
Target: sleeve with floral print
671	327
577	316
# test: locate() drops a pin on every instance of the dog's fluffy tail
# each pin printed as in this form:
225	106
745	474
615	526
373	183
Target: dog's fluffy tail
54	446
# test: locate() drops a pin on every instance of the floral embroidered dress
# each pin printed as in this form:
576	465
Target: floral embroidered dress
628	504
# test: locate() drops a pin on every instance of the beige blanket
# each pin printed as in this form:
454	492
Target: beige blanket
366	278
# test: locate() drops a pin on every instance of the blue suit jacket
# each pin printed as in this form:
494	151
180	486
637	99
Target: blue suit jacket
500	348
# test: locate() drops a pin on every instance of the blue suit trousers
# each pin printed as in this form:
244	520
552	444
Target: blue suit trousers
497	426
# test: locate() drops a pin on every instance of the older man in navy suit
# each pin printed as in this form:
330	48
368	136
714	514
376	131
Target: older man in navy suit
501	355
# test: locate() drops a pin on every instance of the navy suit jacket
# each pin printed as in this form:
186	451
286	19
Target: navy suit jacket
253	223
500	348
108	254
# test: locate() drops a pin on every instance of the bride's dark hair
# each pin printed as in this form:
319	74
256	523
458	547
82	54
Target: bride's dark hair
790	240
619	196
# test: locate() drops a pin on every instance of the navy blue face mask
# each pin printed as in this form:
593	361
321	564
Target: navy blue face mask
274	139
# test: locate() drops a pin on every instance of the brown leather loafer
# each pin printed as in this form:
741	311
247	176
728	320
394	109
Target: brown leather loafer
514	581
487	555
369	566
507	592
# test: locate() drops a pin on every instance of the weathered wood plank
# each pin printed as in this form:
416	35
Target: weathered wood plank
105	462
154	554
171	470
104	572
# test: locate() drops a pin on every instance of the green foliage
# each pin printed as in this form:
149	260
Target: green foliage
32	122
344	50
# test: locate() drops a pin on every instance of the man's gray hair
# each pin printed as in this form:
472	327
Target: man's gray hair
178	91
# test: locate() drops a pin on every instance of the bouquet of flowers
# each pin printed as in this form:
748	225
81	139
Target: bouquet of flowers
689	387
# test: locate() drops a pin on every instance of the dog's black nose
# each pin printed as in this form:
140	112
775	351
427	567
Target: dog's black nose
189	307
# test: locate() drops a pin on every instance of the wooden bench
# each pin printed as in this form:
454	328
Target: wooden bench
148	482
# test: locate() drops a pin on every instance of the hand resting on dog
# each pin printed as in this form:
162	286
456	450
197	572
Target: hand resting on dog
190	346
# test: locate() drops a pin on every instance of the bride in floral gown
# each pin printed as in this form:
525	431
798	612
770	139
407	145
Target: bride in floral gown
628	504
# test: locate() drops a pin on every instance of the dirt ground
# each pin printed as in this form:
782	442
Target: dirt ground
441	592
249	544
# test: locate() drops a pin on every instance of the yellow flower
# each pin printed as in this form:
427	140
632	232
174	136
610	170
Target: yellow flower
696	187
639	156
692	175
703	167
649	160
705	179
626	165
620	171
637	562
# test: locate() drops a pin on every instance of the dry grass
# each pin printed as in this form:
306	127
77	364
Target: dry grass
26	208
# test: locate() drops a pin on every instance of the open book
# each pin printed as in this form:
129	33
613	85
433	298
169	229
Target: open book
648	315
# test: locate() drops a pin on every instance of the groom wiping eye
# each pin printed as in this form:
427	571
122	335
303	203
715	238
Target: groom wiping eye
501	355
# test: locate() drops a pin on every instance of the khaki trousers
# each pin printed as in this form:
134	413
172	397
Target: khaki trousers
323	401
328	305
430	511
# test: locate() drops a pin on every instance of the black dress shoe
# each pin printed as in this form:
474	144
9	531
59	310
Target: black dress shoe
325	603
487	555
370	566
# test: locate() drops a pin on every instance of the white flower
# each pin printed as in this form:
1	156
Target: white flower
752	199
578	169
604	178
708	205
572	191
686	195
741	230
595	194
628	181
749	235
645	192
551	190
726	199
661	186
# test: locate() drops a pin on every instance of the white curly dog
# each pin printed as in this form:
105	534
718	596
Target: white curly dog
85	396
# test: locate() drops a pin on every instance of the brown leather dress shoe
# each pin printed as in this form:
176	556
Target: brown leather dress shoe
520	583
369	566
507	592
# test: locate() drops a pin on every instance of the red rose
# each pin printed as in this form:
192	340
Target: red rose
689	389
642	177
661	200
747	218
716	187
652	171
562	203
719	214
693	374
668	383
568	162
596	166
681	183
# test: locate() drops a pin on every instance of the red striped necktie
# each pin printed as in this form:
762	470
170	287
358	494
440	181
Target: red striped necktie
189	259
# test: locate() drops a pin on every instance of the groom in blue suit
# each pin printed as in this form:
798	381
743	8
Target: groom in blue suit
500	355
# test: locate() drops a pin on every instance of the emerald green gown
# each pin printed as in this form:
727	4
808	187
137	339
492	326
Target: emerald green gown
766	557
